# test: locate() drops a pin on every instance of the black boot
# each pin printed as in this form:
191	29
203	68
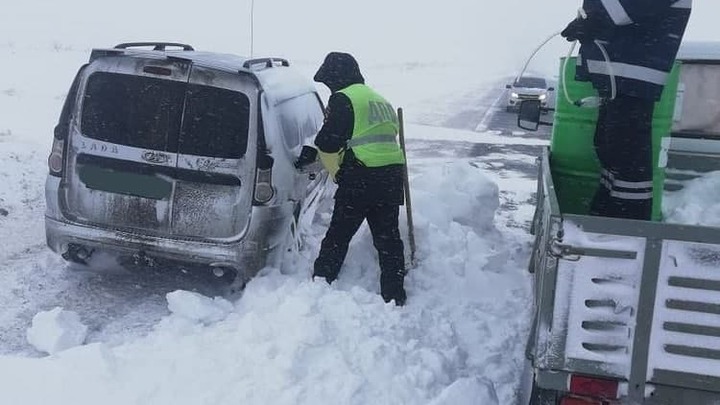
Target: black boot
391	287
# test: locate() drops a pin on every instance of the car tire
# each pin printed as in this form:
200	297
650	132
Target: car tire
508	109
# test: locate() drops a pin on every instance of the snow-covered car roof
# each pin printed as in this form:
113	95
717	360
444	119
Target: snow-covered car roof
274	75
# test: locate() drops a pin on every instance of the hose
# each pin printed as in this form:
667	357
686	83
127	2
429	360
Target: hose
522	72
590	102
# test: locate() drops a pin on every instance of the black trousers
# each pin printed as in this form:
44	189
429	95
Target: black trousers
623	143
383	221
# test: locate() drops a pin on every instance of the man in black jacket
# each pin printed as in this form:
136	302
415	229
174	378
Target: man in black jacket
641	38
360	127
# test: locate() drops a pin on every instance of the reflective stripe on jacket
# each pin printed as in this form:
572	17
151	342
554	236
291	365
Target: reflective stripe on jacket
375	130
642	38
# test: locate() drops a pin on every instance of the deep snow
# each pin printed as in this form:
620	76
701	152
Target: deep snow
152	339
289	340
166	338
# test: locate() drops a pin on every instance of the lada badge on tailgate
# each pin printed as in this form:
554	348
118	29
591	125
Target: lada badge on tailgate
155	157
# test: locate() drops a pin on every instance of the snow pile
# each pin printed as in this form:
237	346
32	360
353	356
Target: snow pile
197	307
468	391
290	340
452	199
686	207
56	330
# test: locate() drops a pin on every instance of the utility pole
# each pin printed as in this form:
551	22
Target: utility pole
252	28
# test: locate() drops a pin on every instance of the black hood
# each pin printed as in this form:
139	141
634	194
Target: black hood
339	71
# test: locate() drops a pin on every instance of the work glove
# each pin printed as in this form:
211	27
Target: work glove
308	156
583	30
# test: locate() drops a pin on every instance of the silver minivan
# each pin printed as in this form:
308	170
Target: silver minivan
166	154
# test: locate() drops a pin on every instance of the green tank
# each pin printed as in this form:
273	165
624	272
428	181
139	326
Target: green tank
574	165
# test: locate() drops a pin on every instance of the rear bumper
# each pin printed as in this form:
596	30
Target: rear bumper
239	255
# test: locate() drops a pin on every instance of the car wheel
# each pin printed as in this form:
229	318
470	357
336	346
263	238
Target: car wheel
508	109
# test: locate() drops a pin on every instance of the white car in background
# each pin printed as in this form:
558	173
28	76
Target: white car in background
527	88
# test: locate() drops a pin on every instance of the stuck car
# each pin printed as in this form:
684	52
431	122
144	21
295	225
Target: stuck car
165	153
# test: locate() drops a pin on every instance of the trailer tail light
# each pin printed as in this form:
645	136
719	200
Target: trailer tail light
594	387
55	160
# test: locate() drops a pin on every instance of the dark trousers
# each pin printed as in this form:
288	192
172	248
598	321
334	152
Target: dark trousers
623	143
383	221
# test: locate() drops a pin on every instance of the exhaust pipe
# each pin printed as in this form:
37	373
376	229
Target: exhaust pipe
82	253
77	253
224	271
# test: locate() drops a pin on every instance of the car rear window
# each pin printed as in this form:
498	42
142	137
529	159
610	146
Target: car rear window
137	111
215	123
147	112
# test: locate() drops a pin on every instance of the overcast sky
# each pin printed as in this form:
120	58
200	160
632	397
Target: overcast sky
457	31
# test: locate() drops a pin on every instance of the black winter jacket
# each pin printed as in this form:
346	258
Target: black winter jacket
357	183
642	38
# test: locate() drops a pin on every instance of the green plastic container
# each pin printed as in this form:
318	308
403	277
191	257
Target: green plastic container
574	164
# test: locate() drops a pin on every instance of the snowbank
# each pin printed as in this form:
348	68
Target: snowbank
56	330
697	203
289	340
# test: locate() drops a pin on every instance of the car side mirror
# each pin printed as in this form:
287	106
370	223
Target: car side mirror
529	115
551	88
507	86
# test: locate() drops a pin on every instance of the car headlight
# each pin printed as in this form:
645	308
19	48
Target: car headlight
514	95
543	96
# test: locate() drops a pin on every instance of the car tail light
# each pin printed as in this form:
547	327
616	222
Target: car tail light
594	387
55	160
264	191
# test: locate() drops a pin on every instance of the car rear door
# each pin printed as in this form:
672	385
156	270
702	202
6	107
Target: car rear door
216	155
122	153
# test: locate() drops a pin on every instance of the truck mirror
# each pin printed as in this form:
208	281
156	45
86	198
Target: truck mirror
507	86
551	88
529	115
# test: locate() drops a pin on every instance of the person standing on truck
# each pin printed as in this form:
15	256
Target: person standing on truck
641	38
360	128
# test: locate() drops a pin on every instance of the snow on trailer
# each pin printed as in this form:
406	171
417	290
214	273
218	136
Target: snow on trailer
631	304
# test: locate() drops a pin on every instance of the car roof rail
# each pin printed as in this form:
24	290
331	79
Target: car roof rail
157	46
268	62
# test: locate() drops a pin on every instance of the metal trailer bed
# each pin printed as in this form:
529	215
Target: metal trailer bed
635	303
